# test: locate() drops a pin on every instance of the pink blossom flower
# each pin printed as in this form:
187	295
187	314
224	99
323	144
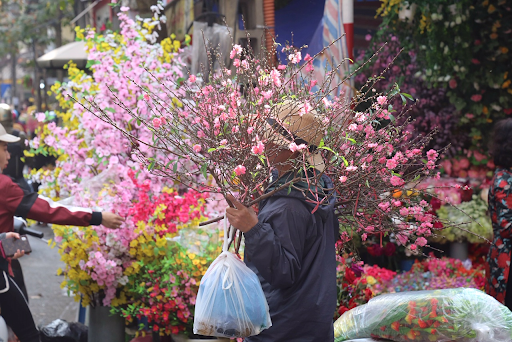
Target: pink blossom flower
326	102
343	179
267	94
396	181
276	77
351	168
196	148
124	9
281	67
259	148
384	206
369	229
294	147
157	122
235	129
368	37
236	62
250	130
452	83
391	164
305	108
41	117
245	64
404	211
432	154
192	78
476	98
223	142
413	247
89	161
421	241
237	49
240	170
352	127
295	57
381	100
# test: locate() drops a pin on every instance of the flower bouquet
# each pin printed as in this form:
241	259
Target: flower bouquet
164	291
441	315
434	273
471	216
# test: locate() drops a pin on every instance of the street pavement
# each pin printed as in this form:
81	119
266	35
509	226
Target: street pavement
47	300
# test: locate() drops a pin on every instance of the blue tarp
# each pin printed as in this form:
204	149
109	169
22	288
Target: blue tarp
300	17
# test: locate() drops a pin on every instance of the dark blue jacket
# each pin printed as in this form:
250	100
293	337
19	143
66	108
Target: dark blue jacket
293	253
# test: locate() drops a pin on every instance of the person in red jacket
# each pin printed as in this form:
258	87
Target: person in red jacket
15	202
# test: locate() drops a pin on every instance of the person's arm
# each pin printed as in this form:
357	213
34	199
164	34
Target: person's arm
33	206
276	246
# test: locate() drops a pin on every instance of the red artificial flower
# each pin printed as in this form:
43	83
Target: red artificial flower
350	276
342	310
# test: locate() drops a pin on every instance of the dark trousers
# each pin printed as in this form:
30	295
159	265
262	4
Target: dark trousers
15	310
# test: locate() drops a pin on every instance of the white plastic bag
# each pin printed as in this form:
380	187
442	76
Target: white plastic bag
230	302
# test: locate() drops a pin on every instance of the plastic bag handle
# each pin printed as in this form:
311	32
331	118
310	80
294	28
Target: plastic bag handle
229	234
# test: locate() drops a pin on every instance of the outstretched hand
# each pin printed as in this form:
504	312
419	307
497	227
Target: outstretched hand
241	217
111	220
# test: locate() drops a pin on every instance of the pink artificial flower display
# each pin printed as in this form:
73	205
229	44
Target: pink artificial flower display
240	170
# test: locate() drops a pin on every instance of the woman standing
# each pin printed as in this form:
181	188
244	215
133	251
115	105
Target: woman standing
499	283
14	201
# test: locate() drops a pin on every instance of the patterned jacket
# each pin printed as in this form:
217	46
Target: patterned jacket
500	209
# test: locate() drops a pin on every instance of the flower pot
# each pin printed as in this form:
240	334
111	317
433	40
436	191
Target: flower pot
103	326
459	250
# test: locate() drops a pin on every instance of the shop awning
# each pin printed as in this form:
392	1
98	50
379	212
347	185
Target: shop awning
56	59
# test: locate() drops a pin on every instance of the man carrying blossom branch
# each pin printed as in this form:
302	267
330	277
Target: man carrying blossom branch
290	244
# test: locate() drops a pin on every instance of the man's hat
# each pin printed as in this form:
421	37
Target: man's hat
7	137
293	122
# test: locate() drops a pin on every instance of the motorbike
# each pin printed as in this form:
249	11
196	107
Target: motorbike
20	227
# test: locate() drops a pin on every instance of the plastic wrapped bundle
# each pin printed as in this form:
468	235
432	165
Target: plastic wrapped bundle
462	314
